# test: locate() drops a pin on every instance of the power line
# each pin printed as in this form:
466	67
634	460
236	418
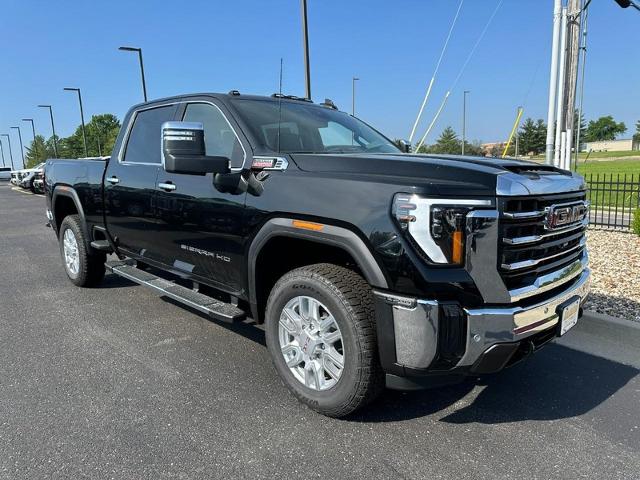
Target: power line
464	66
435	72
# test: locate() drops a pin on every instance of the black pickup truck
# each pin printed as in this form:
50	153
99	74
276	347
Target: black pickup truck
368	265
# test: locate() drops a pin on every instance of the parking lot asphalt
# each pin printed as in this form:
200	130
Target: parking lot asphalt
115	382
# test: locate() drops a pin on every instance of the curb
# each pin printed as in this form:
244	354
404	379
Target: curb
602	317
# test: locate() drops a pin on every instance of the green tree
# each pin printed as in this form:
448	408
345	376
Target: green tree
37	152
532	136
636	136
101	133
474	148
604	128
579	120
448	142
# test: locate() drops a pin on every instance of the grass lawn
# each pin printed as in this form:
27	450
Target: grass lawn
632	153
613	167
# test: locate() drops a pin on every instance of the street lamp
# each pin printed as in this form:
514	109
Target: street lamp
10	151
627	3
53	129
84	133
464	119
2	150
33	129
139	50
21	147
353	95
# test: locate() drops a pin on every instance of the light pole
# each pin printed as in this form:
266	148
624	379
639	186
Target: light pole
353	95
84	133
627	4
464	119
305	45
10	151
53	129
33	129
139	50
21	147
2	150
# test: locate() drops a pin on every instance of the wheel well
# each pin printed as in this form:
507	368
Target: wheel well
283	254
63	207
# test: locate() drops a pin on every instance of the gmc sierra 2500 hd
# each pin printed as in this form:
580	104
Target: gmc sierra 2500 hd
368	265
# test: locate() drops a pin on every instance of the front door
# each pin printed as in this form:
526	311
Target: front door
200	228
130	182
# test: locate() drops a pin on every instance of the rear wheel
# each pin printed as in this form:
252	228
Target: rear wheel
320	331
84	268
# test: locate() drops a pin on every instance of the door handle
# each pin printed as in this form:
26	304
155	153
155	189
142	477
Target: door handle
113	180
168	187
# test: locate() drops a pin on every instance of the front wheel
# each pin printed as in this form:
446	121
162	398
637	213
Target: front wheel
320	331
84	268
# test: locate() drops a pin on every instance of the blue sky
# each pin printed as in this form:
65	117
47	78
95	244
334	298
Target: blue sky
392	46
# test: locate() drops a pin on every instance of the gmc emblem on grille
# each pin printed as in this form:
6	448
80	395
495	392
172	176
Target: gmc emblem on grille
560	215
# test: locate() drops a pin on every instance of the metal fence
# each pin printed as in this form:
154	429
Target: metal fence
614	199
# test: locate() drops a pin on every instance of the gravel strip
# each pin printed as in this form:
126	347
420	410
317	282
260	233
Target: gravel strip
614	259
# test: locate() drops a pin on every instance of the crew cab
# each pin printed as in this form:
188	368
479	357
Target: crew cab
368	265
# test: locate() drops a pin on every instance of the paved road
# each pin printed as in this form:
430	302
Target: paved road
116	383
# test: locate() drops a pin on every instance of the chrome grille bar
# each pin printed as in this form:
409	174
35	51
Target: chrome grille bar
536	238
536	261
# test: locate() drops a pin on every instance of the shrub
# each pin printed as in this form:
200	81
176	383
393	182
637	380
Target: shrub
635	226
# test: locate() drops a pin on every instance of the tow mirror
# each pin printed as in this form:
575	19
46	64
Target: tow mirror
183	150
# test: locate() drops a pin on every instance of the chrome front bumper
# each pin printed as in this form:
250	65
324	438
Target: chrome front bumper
416	325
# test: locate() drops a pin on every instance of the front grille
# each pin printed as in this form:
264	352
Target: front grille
527	247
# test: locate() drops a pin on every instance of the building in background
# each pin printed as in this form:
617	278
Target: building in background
622	145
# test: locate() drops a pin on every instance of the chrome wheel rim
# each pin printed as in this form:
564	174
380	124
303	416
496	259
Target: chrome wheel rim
311	343
70	250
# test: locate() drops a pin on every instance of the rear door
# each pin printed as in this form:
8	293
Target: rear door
201	228
130	182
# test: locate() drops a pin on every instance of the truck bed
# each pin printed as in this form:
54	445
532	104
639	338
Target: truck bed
85	175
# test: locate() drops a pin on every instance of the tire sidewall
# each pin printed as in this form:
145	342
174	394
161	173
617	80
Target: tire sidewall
301	285
68	224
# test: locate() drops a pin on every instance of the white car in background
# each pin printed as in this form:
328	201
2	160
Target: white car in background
5	173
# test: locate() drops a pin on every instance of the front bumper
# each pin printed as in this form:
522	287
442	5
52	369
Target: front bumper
486	339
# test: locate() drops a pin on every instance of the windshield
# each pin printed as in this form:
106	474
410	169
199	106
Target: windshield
293	127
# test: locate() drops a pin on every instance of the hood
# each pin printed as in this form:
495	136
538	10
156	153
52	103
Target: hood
437	174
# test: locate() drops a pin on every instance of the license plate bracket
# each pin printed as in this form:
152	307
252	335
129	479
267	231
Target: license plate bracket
568	313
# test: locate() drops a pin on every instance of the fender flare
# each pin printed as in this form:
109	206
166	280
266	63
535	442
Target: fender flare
69	192
329	235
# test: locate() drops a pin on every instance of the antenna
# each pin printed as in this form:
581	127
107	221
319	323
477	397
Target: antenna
280	105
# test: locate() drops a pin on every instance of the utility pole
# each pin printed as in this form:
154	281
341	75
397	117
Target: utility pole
464	119
305	45
553	80
574	14
21	147
353	95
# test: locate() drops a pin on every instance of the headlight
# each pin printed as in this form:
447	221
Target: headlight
437	225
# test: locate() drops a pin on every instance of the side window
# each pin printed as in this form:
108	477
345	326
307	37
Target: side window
219	138
144	142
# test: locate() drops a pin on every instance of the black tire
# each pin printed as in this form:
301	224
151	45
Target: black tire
91	264
350	300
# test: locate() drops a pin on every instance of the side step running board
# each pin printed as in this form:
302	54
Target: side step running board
222	311
102	245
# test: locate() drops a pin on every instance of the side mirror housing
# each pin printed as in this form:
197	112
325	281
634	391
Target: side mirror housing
183	150
405	146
